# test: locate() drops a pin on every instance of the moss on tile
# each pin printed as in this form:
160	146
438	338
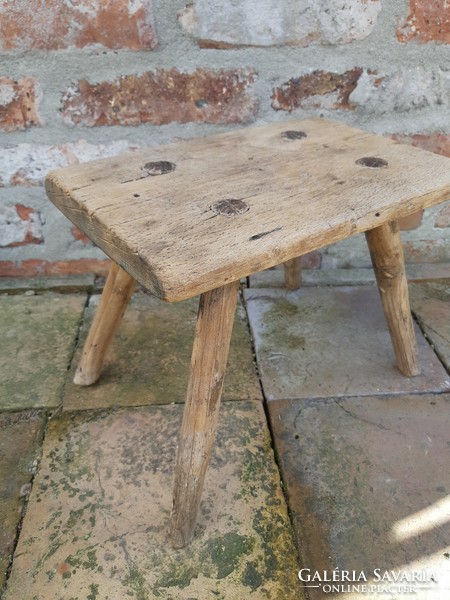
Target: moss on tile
20	439
225	552
149	360
85	528
38	336
312	343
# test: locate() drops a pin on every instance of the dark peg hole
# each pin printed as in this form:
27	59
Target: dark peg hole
372	162
136	195
377	214
230	207
293	135
160	167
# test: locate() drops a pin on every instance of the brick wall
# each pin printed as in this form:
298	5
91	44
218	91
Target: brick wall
81	80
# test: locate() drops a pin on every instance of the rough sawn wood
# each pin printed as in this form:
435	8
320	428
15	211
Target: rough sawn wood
388	263
208	364
113	304
194	215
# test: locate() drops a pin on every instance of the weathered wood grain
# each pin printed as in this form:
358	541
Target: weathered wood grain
113	304
193	215
386	252
293	274
208	364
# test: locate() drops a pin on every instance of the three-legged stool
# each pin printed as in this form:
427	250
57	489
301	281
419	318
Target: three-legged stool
195	216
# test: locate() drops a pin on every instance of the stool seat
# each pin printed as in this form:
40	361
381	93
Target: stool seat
194	215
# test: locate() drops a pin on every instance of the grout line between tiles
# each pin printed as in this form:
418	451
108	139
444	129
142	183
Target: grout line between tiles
271	435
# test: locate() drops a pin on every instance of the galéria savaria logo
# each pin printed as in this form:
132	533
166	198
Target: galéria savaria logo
378	581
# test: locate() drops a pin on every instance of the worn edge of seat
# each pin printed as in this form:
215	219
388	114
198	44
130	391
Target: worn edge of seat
139	268
135	267
171	291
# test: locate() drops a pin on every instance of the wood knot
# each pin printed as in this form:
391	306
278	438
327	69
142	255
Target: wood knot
293	135
160	167
372	162
230	207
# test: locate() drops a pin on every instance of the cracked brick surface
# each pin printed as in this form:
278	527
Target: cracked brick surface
52	25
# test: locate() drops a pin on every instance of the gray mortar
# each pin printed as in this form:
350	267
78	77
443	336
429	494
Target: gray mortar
58	70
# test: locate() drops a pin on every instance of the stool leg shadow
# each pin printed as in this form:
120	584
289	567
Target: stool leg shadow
293	273
208	363
113	304
386	252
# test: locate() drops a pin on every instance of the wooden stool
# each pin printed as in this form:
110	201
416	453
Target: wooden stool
195	216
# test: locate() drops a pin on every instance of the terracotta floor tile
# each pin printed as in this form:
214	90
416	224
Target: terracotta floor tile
20	434
431	305
368	486
98	515
148	362
38	334
327	342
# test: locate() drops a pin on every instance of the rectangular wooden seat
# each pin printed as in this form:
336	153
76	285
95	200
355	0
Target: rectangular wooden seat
194	217
191	216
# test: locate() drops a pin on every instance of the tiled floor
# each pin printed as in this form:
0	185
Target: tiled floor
364	453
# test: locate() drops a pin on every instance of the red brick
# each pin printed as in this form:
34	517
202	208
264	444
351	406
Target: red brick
34	267
426	251
434	142
428	21
312	260
20	225
319	89
412	221
19	102
79	236
55	24
443	218
162	97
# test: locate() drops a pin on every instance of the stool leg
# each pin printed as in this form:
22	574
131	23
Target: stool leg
387	258
113	303
208	363
293	273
